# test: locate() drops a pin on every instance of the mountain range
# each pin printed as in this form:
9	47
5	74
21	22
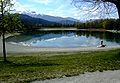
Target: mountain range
31	20
48	18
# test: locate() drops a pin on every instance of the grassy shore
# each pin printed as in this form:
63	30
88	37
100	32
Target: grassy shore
39	66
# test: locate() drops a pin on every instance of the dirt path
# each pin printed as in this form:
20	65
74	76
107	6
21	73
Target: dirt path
95	77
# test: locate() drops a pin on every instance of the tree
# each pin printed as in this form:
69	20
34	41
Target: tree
109	24
7	21
109	5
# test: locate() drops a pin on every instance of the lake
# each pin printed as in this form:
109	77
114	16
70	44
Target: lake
66	39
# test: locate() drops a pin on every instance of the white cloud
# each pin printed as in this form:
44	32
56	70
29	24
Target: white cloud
20	8
57	11
56	8
42	1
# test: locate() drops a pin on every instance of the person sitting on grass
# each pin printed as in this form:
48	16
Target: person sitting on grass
102	45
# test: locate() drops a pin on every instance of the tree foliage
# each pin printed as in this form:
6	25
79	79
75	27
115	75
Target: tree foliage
8	21
109	24
11	23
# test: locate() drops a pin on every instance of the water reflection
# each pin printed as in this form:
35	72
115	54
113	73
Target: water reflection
66	39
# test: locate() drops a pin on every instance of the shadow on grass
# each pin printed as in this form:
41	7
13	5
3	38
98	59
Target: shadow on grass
116	56
38	64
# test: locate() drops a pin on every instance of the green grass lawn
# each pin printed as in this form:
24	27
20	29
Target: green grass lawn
40	66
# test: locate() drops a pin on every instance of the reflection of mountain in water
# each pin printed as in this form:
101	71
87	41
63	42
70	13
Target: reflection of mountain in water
40	36
66	38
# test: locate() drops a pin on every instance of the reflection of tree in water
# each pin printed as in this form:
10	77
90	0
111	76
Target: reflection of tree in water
108	36
37	35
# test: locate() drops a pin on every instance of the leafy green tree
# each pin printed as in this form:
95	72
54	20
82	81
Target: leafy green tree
8	21
12	23
117	24
108	24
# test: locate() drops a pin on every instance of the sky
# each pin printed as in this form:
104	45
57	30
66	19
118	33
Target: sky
62	8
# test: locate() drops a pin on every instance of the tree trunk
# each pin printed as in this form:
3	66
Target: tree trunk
3	33
4	48
118	8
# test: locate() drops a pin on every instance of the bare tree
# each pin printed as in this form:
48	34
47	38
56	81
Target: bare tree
107	6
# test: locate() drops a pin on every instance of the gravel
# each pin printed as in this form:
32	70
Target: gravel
95	77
